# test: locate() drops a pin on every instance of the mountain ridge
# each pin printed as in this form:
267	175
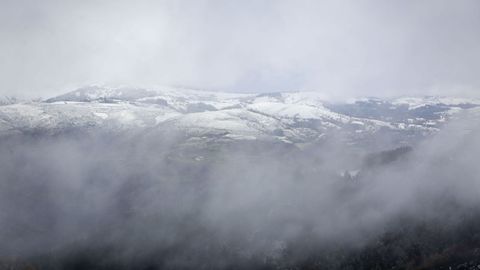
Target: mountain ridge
289	117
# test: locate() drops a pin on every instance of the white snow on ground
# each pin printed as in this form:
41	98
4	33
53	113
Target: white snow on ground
101	115
285	116
46	116
293	110
236	121
417	102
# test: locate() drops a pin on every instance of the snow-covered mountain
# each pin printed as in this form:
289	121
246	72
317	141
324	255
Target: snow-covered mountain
7	100
295	117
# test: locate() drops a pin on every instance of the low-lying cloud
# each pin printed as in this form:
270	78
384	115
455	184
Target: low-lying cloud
141	199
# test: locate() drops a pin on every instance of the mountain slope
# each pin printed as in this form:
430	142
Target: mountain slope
297	117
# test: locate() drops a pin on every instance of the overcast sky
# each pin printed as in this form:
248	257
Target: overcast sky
339	48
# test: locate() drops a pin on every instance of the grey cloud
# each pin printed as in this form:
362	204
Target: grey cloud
139	198
342	48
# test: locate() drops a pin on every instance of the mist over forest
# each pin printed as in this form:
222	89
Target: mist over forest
96	200
239	134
